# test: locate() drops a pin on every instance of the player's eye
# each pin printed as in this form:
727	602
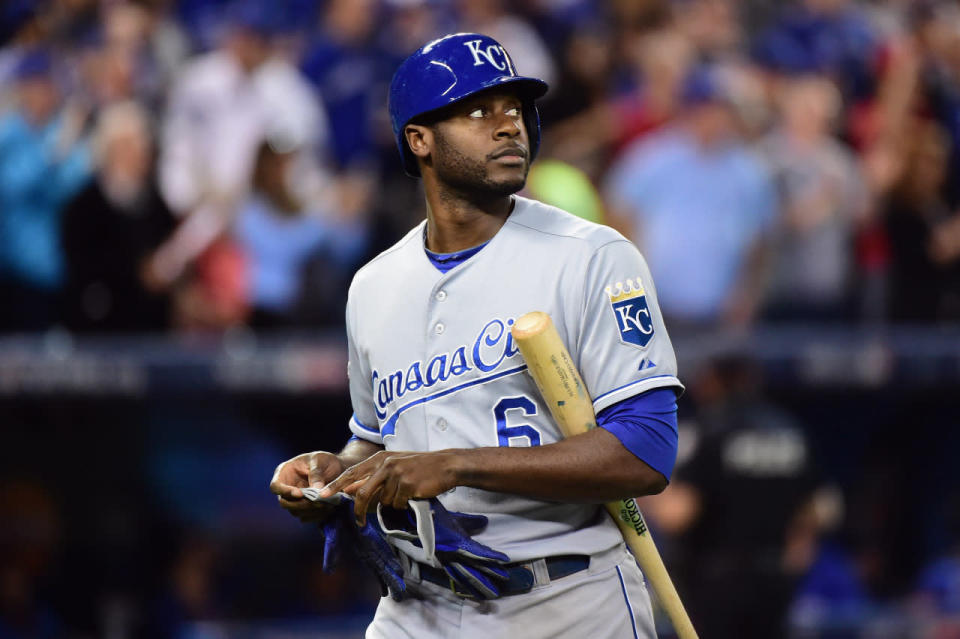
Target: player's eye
479	112
514	112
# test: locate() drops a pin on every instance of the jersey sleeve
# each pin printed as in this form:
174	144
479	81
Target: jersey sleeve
646	425
623	346
363	423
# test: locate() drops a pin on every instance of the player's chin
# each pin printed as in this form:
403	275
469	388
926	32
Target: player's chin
507	182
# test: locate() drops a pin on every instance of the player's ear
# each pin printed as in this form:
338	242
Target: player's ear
419	139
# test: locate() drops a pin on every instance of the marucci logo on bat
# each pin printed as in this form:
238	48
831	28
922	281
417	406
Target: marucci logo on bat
630	514
629	304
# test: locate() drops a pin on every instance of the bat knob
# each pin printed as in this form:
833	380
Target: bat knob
530	324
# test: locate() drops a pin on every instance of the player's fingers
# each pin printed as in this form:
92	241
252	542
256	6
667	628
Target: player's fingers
292	469
352	488
285	491
389	491
403	496
322	467
288	477
350	476
396	492
335	486
364	495
315	473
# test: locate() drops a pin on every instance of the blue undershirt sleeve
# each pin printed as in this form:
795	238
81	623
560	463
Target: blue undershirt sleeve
646	424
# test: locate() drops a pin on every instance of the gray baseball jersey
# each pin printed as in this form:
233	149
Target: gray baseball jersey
433	365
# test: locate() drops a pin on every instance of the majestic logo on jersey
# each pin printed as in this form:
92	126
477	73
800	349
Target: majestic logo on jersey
629	304
493	345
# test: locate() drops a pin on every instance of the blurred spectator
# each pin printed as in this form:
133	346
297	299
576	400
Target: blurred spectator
822	199
746	505
711	26
924	234
73	23
222	106
937	592
190	594
936	38
22	30
585	74
580	118
663	60
136	54
834	35
211	295
698	203
529	51
43	162
112	226
14	15
410	24
344	67
29	538
832	599
282	236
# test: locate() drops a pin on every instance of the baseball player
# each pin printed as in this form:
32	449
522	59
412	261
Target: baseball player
444	409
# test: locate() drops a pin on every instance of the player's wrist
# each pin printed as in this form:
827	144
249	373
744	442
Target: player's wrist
456	466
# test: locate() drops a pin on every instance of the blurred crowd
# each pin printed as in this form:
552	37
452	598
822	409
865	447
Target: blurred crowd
198	165
201	164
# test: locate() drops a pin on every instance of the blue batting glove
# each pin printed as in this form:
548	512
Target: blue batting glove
444	540
369	543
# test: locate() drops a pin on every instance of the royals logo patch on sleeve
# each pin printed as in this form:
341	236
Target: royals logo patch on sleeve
629	304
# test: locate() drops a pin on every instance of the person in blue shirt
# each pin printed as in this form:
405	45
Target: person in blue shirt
343	66
699	205
43	162
287	240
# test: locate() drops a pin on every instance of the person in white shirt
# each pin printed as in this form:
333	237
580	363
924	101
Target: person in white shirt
221	107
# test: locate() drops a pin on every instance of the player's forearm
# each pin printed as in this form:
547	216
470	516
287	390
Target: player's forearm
356	451
593	467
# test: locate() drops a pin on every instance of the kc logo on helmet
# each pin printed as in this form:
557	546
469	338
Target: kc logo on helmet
629	304
490	55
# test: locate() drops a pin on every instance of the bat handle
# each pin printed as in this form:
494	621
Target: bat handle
630	521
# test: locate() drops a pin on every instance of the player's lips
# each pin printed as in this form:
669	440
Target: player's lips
512	154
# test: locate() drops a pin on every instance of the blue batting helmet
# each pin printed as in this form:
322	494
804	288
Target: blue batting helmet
450	69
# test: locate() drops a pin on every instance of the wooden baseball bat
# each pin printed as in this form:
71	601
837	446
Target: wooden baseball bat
563	390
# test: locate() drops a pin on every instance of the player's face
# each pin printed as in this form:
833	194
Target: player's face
482	146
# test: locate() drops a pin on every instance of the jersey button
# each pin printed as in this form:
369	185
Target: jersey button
438	329
442	424
441	295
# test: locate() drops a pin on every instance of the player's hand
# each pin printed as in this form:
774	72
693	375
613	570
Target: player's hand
393	478
309	469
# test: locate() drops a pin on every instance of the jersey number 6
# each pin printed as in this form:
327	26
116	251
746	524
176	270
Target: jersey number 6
507	434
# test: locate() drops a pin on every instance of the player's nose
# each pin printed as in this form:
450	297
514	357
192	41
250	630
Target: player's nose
507	126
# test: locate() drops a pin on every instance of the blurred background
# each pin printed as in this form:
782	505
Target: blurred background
187	186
